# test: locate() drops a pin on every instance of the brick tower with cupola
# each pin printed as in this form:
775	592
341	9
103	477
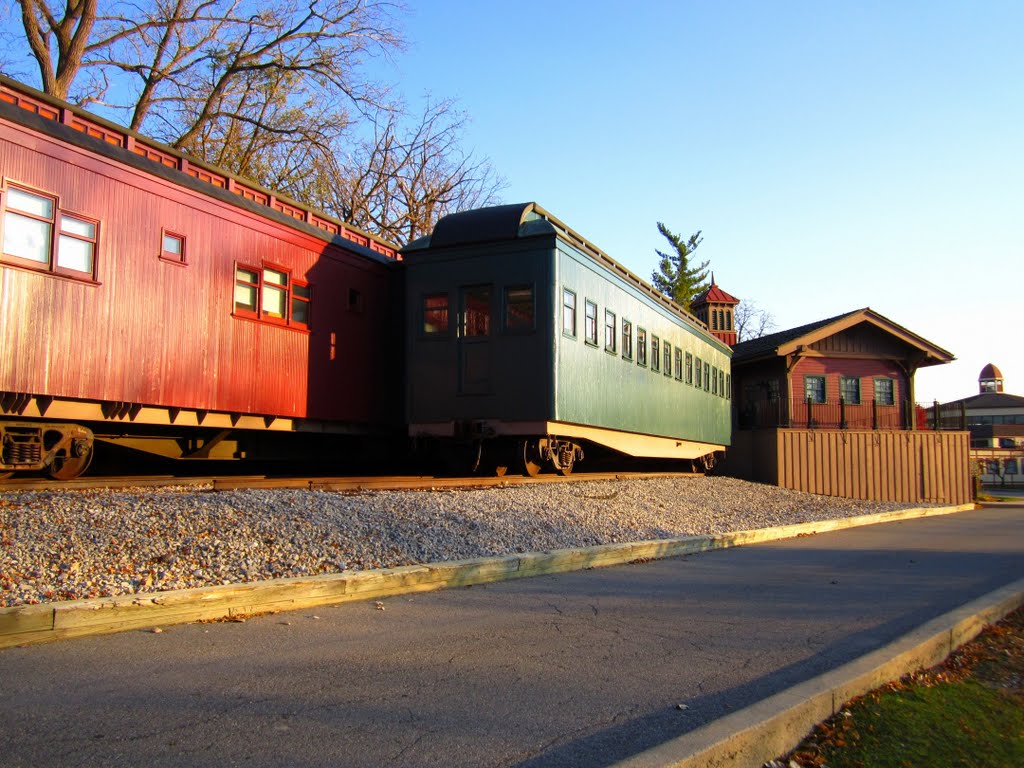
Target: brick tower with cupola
714	307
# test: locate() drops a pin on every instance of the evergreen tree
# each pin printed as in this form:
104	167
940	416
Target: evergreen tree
675	277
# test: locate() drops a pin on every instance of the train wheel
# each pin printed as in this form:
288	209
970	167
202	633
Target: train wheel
68	467
532	460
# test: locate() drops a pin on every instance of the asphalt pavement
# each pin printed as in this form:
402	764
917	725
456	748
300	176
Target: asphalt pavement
580	669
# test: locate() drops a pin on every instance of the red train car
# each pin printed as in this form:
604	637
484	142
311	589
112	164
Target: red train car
151	299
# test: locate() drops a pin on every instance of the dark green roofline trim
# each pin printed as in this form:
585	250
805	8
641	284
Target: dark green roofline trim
73	137
520	220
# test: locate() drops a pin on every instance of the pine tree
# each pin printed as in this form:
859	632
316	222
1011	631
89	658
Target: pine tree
675	277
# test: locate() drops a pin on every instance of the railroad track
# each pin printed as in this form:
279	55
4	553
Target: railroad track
349	484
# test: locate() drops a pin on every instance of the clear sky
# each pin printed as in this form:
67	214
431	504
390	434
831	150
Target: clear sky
836	155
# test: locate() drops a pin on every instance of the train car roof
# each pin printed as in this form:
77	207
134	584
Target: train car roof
521	220
65	122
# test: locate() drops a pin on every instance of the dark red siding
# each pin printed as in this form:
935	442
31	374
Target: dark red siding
158	333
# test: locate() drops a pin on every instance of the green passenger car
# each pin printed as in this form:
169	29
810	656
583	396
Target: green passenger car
526	342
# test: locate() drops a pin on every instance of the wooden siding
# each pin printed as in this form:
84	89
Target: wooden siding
158	333
911	467
832	368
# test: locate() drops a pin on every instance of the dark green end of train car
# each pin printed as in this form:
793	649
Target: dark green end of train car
479	322
518	328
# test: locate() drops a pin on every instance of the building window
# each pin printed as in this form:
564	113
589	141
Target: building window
609	331
689	368
590	323
641	346
679	364
814	389
655	354
172	247
30	222
849	390
627	340
568	313
667	352
714	319
435	314
885	392
476	311
270	294
519	308
698	367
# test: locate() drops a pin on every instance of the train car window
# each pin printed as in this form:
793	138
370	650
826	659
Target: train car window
668	358
610	331
689	368
519	308
698	367
76	244
172	247
679	364
728	386
247	286
476	311
641	347
435	314
301	295
28	225
270	294
721	383
568	313
707	376
39	235
355	300
627	340
655	355
274	296
714	380
590	323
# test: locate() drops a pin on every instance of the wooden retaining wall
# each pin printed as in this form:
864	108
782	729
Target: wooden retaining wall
914	467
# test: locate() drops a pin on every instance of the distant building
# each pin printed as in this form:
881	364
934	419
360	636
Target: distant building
995	420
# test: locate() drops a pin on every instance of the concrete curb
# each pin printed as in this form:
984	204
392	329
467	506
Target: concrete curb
23	625
772	727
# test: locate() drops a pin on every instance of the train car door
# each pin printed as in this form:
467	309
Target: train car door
475	328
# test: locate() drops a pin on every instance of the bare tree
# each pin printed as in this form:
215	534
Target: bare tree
270	90
408	174
181	66
751	321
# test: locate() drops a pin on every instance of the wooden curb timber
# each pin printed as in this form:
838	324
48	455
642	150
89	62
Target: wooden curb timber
28	624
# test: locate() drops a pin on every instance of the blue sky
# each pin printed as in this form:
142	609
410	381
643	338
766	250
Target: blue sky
835	155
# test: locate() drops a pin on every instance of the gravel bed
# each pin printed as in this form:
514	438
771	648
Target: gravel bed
65	545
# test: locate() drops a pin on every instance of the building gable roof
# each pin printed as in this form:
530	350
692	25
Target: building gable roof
786	342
